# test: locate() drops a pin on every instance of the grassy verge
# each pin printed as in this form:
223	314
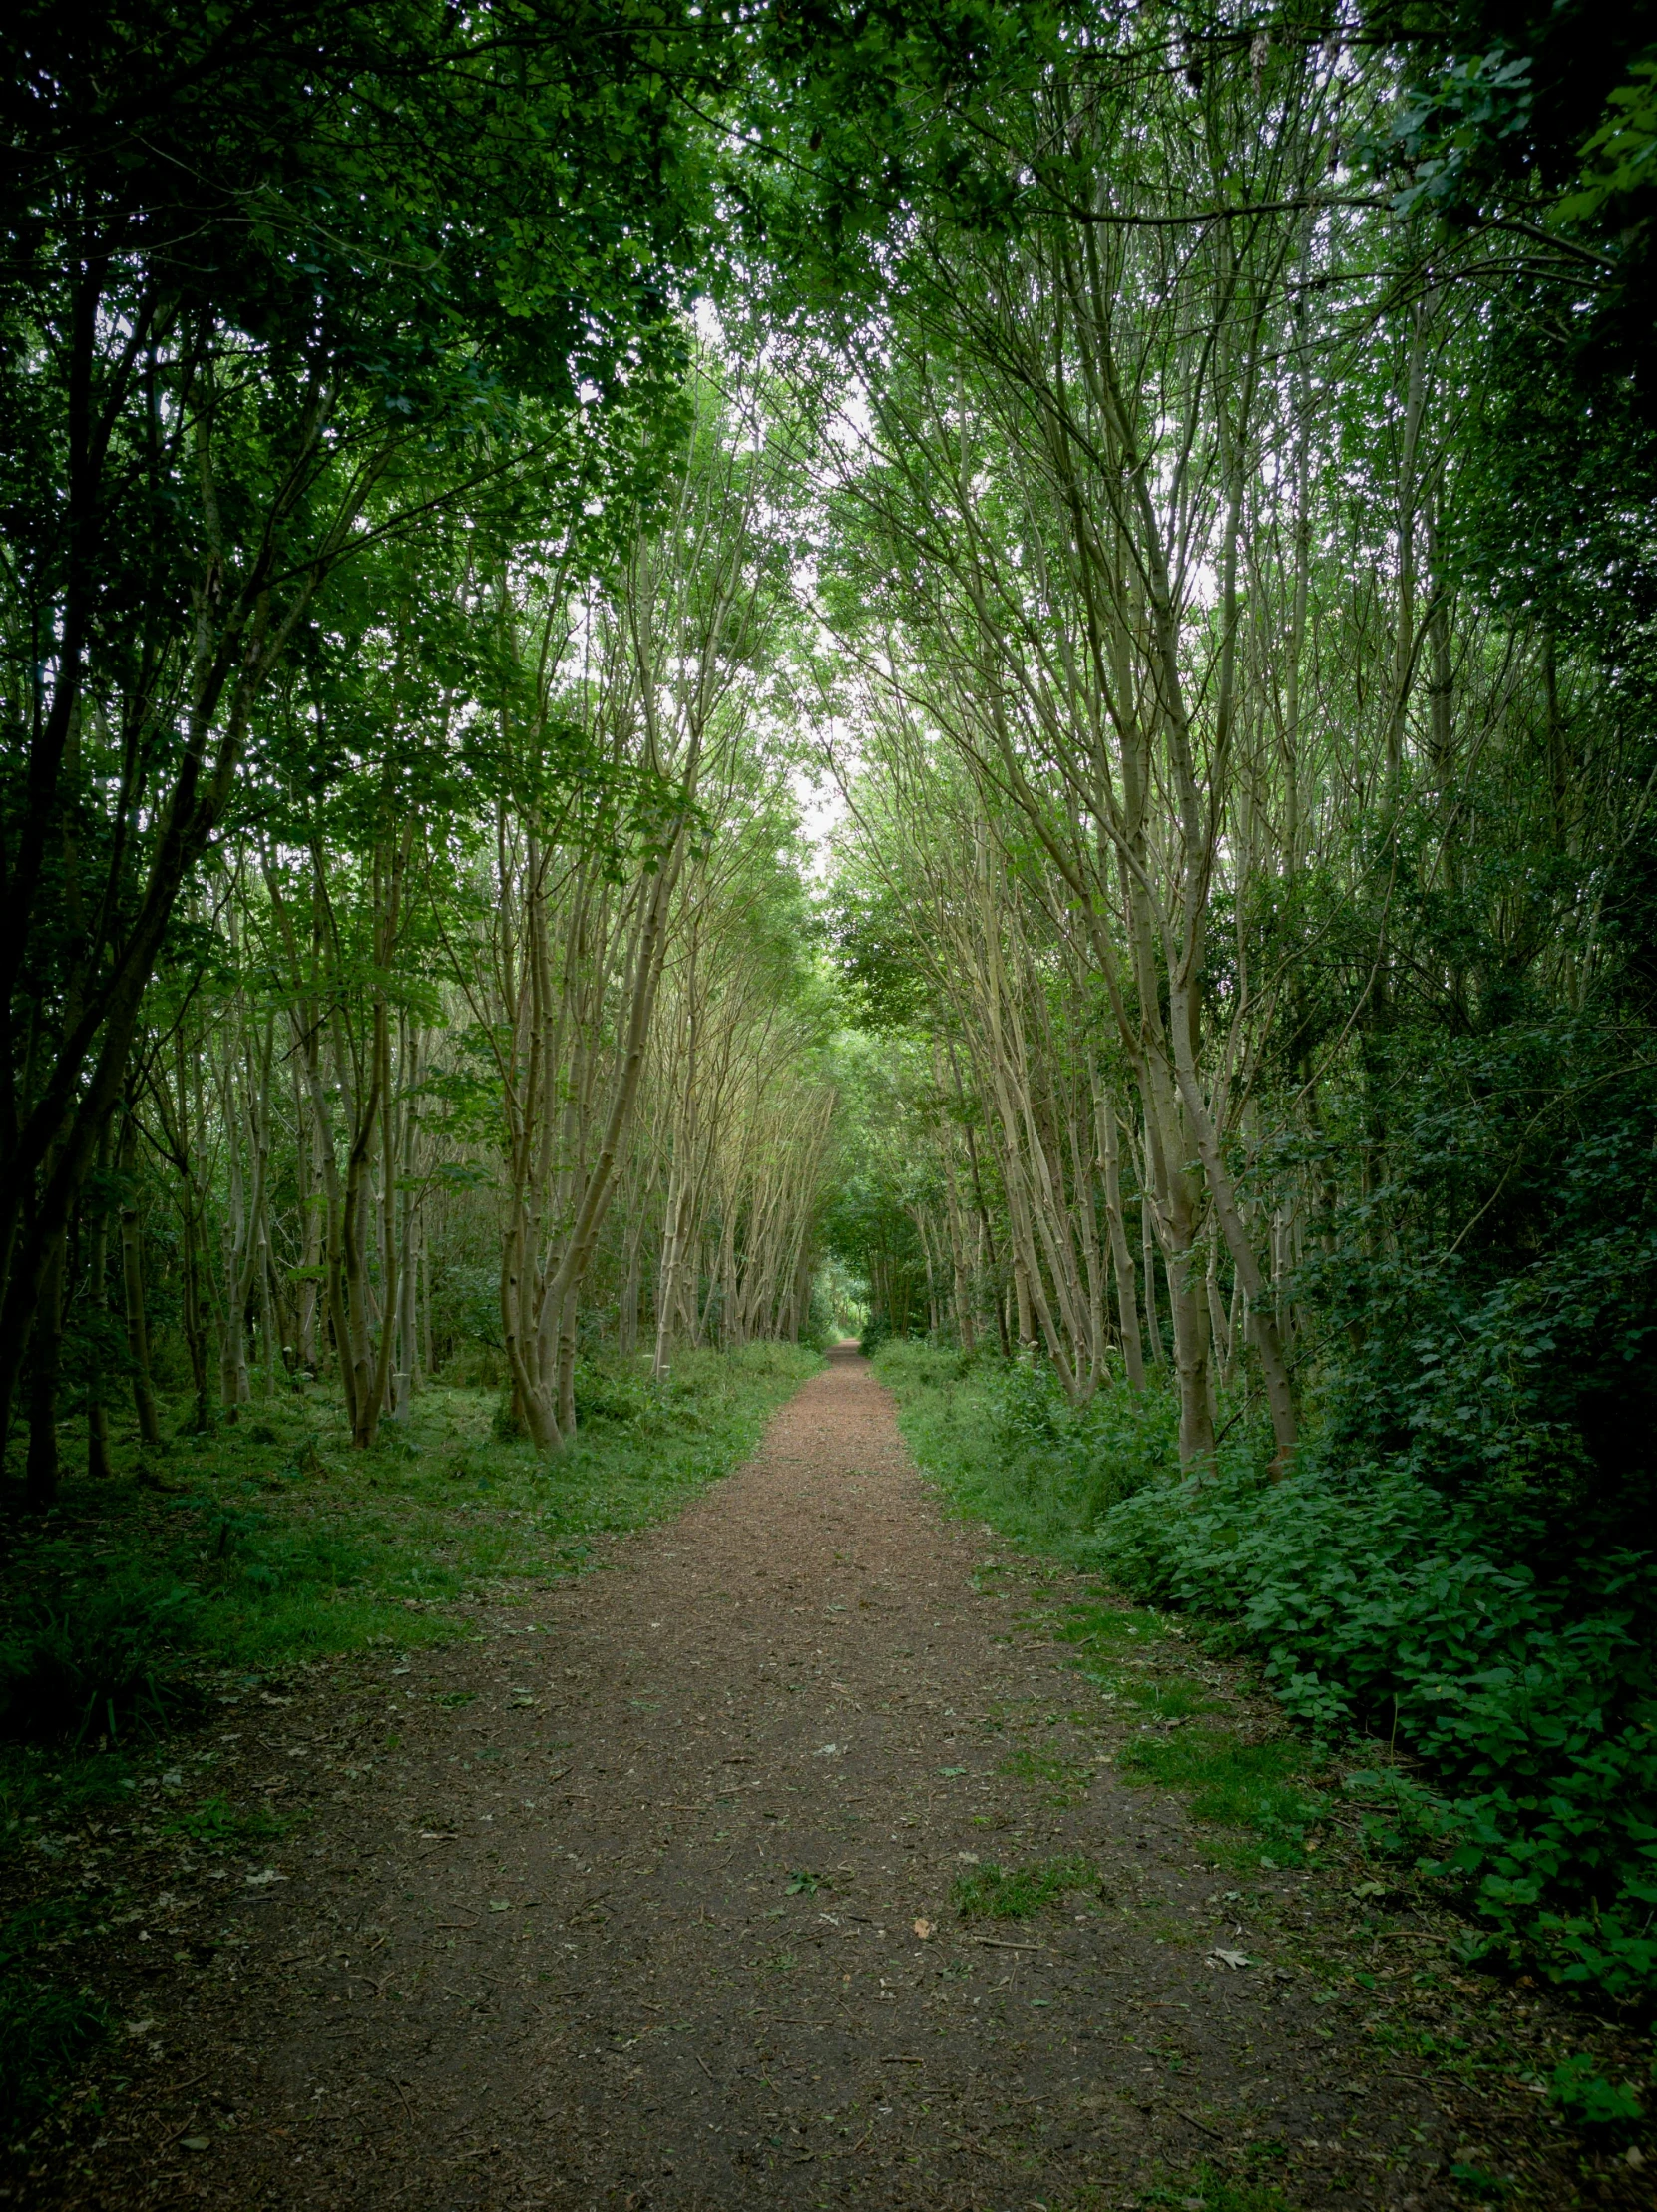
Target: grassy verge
1005	1450
1524	1695
202	1574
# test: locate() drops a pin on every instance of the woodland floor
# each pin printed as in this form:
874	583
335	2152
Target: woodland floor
647	1896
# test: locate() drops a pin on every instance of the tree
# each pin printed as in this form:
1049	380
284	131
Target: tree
280	284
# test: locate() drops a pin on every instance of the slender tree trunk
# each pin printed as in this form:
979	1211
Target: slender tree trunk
46	1352
132	1281
1153	1324
1128	1299
98	1306
312	1207
567	1371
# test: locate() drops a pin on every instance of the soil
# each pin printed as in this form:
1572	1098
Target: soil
643	1897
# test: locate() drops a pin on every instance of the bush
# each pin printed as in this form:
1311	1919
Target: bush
97	1660
1008	1444
474	1366
1079	1461
617	1392
44	2030
1487	1320
1527	1690
1534	1702
1586	2099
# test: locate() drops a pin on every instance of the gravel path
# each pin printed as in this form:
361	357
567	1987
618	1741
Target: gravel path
645	1899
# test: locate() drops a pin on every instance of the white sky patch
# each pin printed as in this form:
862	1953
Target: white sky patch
822	810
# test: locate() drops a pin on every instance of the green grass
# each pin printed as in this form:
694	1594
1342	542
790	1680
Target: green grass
1106	1633
1064	1781
218	1826
1218	2192
992	1892
271	1542
45	2029
1001	1449
1121	1650
1232	1783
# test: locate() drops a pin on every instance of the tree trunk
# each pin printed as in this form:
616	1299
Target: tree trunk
1128	1300
46	1349
132	1282
98	1306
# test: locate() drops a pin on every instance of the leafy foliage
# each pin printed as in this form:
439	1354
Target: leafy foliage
1529	1697
98	1657
1582	2093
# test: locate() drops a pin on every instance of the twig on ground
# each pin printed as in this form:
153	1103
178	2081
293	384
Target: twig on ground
178	2089
1191	2120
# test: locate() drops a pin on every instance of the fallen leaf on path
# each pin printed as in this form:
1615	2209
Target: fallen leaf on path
952	1770
267	1874
923	1929
500	1904
195	2142
1231	1958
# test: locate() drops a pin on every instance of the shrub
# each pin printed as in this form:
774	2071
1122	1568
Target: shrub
96	1660
615	1392
1585	2098
43	2029
1007	1442
1532	1702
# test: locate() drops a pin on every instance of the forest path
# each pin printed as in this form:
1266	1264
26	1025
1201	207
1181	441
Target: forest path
621	1910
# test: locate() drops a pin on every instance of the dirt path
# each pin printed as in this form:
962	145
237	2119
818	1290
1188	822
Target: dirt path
617	1905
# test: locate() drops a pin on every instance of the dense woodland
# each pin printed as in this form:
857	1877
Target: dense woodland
1175	485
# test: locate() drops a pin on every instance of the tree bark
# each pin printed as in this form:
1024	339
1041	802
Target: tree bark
132	1282
46	1352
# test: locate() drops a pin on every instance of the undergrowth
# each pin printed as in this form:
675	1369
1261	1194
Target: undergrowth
46	2029
1009	1449
1527	1699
